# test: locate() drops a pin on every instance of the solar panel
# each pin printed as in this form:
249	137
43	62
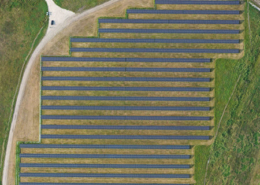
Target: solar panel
123	98
123	69
40	165
136	79
197	2
107	175
164	137
143	11
106	146
109	127
190	31
153	50
87	59
223	41
80	88
109	156
168	21
184	118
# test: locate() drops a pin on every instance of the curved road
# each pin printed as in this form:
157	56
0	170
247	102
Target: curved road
63	19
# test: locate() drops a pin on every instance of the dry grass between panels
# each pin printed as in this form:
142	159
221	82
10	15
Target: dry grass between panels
130	93
106	161
156	45
126	132
104	180
128	141
128	122
129	64
199	7
108	170
127	103
107	151
171	36
187	16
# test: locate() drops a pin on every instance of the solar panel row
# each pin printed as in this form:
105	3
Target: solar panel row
65	78
41	165
87	59
123	98
101	127
153	50
143	11
107	175
164	137
197	2
124	69
169	21
222	41
74	117
112	30
80	88
109	156
106	146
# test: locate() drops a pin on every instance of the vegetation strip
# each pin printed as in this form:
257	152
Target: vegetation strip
197	2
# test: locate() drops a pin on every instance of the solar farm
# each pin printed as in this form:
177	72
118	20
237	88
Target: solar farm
129	107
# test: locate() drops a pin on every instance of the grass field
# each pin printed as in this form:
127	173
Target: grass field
236	148
20	22
78	5
214	94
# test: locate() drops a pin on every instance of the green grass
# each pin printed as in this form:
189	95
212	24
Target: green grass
78	5
234	152
20	22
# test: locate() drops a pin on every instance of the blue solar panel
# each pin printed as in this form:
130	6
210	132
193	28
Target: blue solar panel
109	156
143	11
102	127
153	50
76	88
184	118
169	21
197	2
123	98
164	137
107	146
123	69
87	59
107	175
39	183
70	78
40	165
223	41
112	30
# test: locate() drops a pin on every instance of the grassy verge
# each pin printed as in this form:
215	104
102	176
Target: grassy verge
234	152
20	22
78	5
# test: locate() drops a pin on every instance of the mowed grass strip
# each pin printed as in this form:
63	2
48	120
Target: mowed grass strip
128	122
106	161
126	132
131	64
155	45
198	7
107	151
108	170
128	141
130	74
102	180
171	36
127	113
188	16
127	84
129	93
127	103
154	55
